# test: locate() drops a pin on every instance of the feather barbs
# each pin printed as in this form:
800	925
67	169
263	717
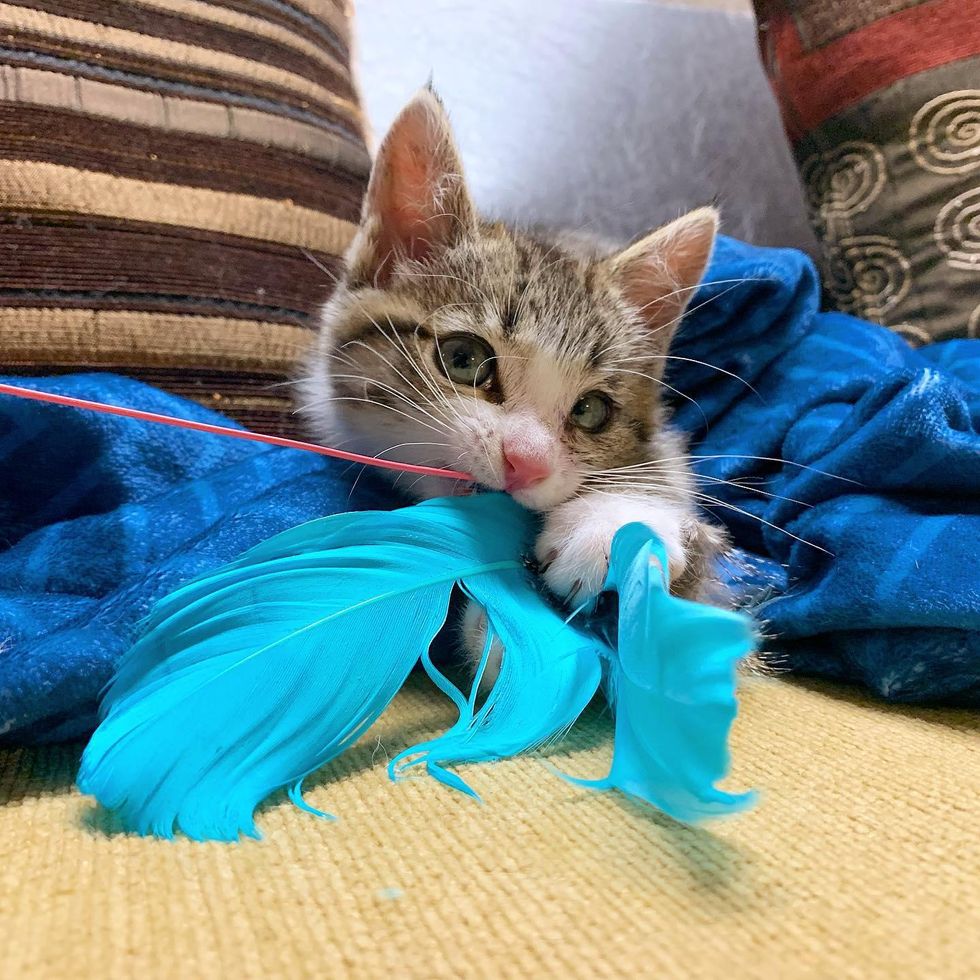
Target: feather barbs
252	677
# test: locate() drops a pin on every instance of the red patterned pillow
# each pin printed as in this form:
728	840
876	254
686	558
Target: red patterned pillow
881	99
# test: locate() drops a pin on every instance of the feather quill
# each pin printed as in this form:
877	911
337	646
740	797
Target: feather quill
252	677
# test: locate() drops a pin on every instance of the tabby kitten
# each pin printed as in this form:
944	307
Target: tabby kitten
532	364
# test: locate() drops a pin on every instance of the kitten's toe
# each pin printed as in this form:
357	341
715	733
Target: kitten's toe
577	567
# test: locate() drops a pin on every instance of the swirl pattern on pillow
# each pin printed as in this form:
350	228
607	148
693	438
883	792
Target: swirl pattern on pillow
881	99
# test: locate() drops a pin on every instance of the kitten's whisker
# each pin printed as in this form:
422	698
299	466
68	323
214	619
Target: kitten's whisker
403	445
631	341
284	384
715	502
378	354
446	275
710	501
398	344
717	481
333	277
741	486
692	457
713	367
398	394
446	306
663	384
693	309
699	285
426	462
425	376
413	484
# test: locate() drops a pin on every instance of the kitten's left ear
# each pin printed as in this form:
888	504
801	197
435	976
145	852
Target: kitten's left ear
658	274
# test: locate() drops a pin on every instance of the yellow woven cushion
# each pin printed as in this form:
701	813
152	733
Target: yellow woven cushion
861	861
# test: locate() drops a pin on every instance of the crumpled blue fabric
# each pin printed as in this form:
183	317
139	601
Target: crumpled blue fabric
851	441
873	445
102	516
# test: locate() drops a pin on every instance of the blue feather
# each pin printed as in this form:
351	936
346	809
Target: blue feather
254	676
250	678
540	691
671	680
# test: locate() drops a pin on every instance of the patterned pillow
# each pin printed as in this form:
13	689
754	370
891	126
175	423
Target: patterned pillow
881	99
178	179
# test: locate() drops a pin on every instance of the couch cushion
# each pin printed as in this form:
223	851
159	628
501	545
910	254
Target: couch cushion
882	101
171	175
860	861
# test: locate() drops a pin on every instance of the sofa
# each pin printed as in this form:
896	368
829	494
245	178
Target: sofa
861	857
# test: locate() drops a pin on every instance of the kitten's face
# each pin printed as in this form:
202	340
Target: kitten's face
465	345
507	359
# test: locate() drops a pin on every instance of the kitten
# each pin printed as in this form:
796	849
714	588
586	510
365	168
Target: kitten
532	364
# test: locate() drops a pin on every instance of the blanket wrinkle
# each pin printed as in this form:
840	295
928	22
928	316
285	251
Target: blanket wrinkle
879	465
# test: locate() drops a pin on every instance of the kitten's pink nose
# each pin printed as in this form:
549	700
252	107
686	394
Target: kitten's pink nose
523	469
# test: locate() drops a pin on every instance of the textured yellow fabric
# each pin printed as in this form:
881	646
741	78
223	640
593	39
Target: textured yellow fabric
863	860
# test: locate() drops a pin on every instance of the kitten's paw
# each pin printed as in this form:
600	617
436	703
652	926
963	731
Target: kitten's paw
573	562
573	547
473	640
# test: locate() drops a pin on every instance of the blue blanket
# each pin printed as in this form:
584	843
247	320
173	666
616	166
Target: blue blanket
858	461
847	467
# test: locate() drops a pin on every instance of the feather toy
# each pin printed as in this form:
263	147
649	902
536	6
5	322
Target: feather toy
256	675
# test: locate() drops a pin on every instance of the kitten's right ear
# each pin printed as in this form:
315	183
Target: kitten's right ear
417	200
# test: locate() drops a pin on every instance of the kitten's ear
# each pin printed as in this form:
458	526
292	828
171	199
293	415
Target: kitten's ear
417	200
657	275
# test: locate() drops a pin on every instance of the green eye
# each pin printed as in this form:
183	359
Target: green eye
591	412
466	360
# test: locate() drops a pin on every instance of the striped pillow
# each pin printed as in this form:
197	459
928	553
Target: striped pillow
178	181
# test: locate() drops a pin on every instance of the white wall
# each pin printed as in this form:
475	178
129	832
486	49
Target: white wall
614	114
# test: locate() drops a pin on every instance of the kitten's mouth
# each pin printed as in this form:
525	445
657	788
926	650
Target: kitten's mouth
537	498
524	497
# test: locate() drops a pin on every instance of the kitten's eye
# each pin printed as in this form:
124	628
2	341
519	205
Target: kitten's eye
466	360
591	412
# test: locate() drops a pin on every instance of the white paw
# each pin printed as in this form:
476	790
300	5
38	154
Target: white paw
573	562
573	547
473	636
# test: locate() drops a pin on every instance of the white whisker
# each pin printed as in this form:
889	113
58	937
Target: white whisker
318	402
663	384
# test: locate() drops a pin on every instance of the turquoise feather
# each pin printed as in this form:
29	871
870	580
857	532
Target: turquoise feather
671	681
252	677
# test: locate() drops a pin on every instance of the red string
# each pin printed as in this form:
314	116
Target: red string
221	430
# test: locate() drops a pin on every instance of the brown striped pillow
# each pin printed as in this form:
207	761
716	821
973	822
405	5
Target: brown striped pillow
178	179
